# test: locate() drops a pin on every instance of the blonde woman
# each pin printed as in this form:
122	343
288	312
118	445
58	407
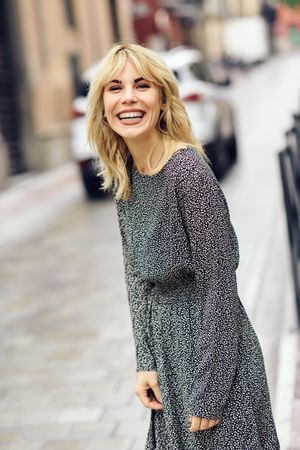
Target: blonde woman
199	364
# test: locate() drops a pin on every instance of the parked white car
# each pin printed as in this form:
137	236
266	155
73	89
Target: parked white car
203	88
210	113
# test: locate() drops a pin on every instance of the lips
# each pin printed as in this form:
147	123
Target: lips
131	115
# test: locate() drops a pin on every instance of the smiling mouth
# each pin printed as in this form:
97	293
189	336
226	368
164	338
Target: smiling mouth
131	115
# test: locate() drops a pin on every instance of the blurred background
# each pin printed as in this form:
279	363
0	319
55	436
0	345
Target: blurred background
67	367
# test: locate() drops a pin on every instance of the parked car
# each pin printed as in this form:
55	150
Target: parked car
210	112
203	89
85	157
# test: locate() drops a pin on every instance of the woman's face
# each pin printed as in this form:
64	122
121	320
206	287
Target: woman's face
132	105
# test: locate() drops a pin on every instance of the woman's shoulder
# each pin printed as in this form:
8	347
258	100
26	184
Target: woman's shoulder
194	177
188	165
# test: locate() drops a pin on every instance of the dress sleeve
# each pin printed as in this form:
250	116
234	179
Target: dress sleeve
138	306
214	259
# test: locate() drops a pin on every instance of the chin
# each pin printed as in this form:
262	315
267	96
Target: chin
132	134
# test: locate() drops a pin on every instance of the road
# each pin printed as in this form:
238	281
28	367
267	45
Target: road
67	358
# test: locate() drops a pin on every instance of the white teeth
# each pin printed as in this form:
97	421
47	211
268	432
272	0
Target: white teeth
131	115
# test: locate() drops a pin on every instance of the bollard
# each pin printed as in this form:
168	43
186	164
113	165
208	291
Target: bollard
289	163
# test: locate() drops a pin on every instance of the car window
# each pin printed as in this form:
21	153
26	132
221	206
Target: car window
200	71
83	89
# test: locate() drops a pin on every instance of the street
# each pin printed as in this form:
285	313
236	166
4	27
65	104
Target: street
67	358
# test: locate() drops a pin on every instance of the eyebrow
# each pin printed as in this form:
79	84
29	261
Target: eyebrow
120	82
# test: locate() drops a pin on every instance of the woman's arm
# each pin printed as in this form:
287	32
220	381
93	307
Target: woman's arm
214	259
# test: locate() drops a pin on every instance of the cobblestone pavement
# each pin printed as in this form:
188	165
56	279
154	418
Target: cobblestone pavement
67	358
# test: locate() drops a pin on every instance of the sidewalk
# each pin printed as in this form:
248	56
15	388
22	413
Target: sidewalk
67	365
33	201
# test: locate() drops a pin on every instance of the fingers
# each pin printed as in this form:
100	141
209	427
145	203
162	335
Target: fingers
154	403
148	390
196	422
213	423
201	423
157	393
148	399
204	424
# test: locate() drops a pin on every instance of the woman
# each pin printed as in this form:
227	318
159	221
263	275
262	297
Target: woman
199	364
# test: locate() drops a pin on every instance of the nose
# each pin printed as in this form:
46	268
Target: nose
128	95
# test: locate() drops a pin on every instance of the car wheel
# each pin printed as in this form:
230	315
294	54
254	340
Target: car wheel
217	153
91	182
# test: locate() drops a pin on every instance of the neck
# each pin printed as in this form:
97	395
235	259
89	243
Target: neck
146	154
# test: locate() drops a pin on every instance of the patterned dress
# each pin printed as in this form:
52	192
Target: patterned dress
180	255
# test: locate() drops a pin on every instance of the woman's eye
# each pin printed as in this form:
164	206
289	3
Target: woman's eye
114	88
143	86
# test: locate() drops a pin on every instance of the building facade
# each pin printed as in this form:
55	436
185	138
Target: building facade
49	45
208	34
46	45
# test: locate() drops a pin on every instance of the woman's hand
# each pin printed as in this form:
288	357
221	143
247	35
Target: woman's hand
200	423
148	390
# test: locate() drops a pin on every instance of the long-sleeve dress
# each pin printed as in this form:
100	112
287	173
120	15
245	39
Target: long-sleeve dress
180	255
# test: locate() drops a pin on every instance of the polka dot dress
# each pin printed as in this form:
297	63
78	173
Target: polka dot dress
180	256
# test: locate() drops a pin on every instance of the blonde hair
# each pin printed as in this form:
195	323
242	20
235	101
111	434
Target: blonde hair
174	124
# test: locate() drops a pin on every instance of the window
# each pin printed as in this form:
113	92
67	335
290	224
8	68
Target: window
75	72
201	71
70	16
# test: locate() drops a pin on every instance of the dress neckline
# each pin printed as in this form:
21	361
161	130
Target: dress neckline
144	175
